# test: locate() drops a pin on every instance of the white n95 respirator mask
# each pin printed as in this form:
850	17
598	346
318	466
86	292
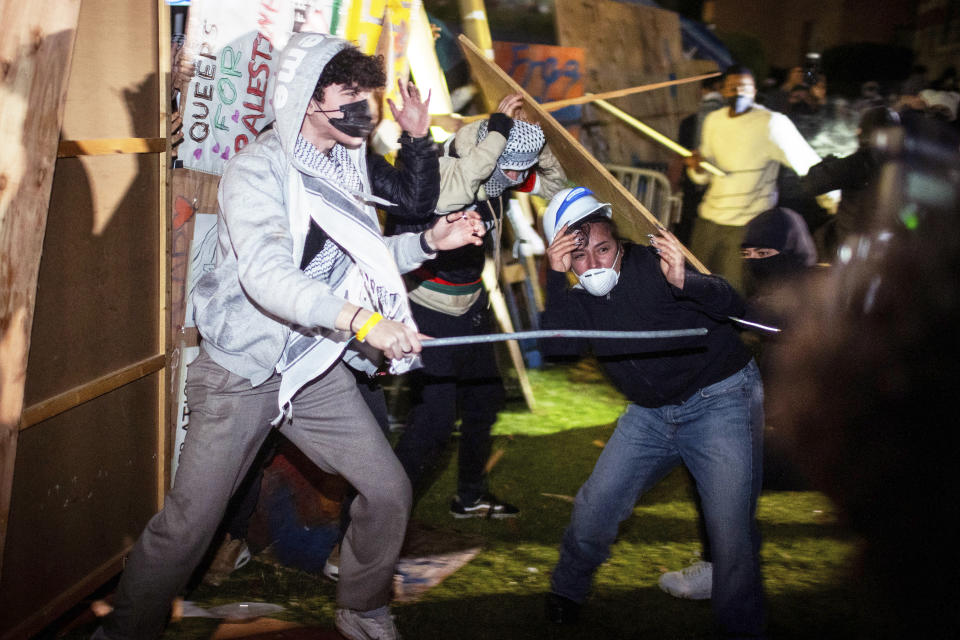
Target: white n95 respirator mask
600	281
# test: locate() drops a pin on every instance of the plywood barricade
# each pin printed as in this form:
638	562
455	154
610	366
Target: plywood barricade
84	453
627	45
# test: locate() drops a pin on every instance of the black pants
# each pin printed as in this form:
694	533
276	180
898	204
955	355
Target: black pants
456	380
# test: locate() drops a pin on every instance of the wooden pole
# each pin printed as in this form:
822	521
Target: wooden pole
36	51
164	256
556	105
656	135
473	16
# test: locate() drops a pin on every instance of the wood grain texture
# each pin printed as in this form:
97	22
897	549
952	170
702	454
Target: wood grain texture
35	55
628	45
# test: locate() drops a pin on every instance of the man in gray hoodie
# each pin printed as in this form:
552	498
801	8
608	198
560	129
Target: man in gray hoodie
305	285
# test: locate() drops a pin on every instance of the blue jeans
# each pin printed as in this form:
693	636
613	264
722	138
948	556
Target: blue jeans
718	435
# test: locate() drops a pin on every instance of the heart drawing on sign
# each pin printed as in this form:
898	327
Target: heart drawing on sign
236	116
197	152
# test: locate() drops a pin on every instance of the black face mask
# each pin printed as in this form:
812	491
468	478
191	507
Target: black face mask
773	270
740	104
357	121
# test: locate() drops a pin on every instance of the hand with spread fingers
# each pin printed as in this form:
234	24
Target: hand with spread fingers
455	230
512	106
671	256
560	251
414	118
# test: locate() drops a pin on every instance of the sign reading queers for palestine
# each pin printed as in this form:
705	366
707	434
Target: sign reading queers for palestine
233	47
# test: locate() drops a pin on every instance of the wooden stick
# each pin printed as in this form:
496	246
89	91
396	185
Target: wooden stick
656	135
556	105
88	391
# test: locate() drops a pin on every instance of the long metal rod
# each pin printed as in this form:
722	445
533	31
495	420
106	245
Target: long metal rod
563	333
755	325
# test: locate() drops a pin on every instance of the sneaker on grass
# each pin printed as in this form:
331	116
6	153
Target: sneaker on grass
486	506
366	625
693	583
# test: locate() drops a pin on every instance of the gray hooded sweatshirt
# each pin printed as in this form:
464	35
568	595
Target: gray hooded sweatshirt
247	306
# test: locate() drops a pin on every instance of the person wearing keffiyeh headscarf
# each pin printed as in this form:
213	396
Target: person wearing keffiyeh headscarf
479	167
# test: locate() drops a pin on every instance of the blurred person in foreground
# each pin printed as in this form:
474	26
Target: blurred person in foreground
864	388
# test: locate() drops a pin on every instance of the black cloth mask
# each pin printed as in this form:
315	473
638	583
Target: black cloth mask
357	121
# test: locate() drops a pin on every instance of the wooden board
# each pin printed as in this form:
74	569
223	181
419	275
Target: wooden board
97	244
633	220
628	45
89	316
36	51
83	493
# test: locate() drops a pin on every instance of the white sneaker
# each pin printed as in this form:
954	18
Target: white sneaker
353	626
694	583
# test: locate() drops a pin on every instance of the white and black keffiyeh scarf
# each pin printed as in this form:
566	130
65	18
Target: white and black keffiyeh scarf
355	261
523	147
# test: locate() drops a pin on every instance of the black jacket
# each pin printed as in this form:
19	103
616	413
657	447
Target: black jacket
651	373
413	185
856	175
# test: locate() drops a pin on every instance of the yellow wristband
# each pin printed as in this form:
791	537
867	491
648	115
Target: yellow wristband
368	325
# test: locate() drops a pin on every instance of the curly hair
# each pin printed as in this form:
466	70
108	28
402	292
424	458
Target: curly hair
352	68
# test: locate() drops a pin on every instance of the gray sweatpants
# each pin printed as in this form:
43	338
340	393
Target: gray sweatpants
229	421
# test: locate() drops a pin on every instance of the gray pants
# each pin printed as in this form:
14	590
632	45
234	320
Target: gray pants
229	421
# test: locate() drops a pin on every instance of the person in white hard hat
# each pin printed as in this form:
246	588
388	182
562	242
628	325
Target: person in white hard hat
696	401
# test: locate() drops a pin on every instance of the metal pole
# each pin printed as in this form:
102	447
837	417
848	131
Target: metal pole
563	333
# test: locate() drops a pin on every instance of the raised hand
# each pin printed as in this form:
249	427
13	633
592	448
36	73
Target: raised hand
671	256
560	251
456	230
414	118
512	105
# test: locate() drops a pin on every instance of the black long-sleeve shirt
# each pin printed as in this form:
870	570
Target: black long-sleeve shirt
651	373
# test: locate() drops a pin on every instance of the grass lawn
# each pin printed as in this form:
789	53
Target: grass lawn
806	554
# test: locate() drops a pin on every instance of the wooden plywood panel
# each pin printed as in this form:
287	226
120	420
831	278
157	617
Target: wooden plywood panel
35	54
113	92
96	308
78	498
628	45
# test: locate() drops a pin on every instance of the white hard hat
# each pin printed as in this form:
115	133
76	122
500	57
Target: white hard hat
569	206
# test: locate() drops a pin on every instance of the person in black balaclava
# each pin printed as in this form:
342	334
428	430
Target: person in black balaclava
776	248
777	251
